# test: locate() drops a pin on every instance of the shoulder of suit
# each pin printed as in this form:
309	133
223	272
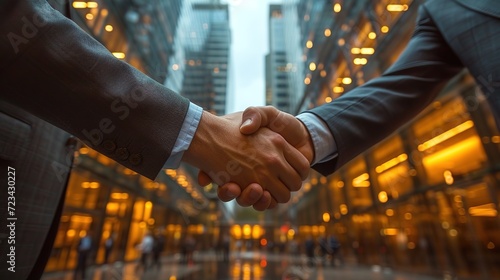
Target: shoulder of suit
489	7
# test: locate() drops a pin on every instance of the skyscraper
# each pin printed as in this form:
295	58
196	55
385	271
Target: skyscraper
204	61
277	86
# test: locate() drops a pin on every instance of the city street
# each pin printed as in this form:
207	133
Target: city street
247	265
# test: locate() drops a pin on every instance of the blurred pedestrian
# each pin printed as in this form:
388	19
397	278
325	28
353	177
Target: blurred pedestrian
190	245
324	249
84	248
159	244
108	247
146	248
310	248
334	249
225	247
293	247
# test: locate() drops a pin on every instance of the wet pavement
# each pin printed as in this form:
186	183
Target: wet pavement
241	266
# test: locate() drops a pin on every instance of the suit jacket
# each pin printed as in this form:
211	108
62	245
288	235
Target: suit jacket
57	72
449	36
53	72
41	160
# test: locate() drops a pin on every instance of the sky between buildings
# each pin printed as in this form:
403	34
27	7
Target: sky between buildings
249	22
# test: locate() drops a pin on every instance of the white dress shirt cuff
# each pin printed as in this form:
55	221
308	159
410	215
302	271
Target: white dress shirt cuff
325	147
185	137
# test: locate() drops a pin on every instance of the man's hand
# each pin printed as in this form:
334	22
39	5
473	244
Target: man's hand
280	122
292	130
266	158
253	195
283	123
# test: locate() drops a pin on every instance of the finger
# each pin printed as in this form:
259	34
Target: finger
277	168
284	165
264	202
297	161
203	178
255	117
250	195
292	129
279	191
273	204
228	191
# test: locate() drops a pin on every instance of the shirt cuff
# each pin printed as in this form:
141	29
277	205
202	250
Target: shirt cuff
185	137
325	148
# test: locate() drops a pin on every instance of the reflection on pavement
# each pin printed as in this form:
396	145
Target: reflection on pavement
241	266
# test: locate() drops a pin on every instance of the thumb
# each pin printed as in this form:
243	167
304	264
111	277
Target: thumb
254	118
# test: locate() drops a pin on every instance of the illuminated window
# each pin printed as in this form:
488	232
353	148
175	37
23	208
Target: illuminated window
448	142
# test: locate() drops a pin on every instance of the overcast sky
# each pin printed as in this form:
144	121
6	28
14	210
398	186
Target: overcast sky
248	20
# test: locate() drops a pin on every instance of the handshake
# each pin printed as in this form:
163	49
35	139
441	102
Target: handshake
258	156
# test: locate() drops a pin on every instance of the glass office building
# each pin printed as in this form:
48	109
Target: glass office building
204	55
278	93
105	199
425	199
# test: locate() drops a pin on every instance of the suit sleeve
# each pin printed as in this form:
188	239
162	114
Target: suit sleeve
364	116
56	71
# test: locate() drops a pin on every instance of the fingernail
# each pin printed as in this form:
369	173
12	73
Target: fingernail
247	122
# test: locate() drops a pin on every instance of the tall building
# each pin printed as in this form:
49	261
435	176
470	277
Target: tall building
137	31
425	199
105	198
278	92
206	40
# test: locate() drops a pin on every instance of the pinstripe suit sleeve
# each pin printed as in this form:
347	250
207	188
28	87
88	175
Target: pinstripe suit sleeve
364	116
54	70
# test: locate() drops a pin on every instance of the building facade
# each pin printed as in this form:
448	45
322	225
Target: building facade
426	199
205	43
278	92
103	198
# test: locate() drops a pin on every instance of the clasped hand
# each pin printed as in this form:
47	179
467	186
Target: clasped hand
259	162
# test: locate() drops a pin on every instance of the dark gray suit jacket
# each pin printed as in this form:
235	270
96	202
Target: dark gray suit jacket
57	72
53	72
449	36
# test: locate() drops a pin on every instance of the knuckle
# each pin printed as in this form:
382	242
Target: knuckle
250	109
277	140
274	160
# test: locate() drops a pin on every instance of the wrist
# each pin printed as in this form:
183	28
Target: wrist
213	148
307	147
198	151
